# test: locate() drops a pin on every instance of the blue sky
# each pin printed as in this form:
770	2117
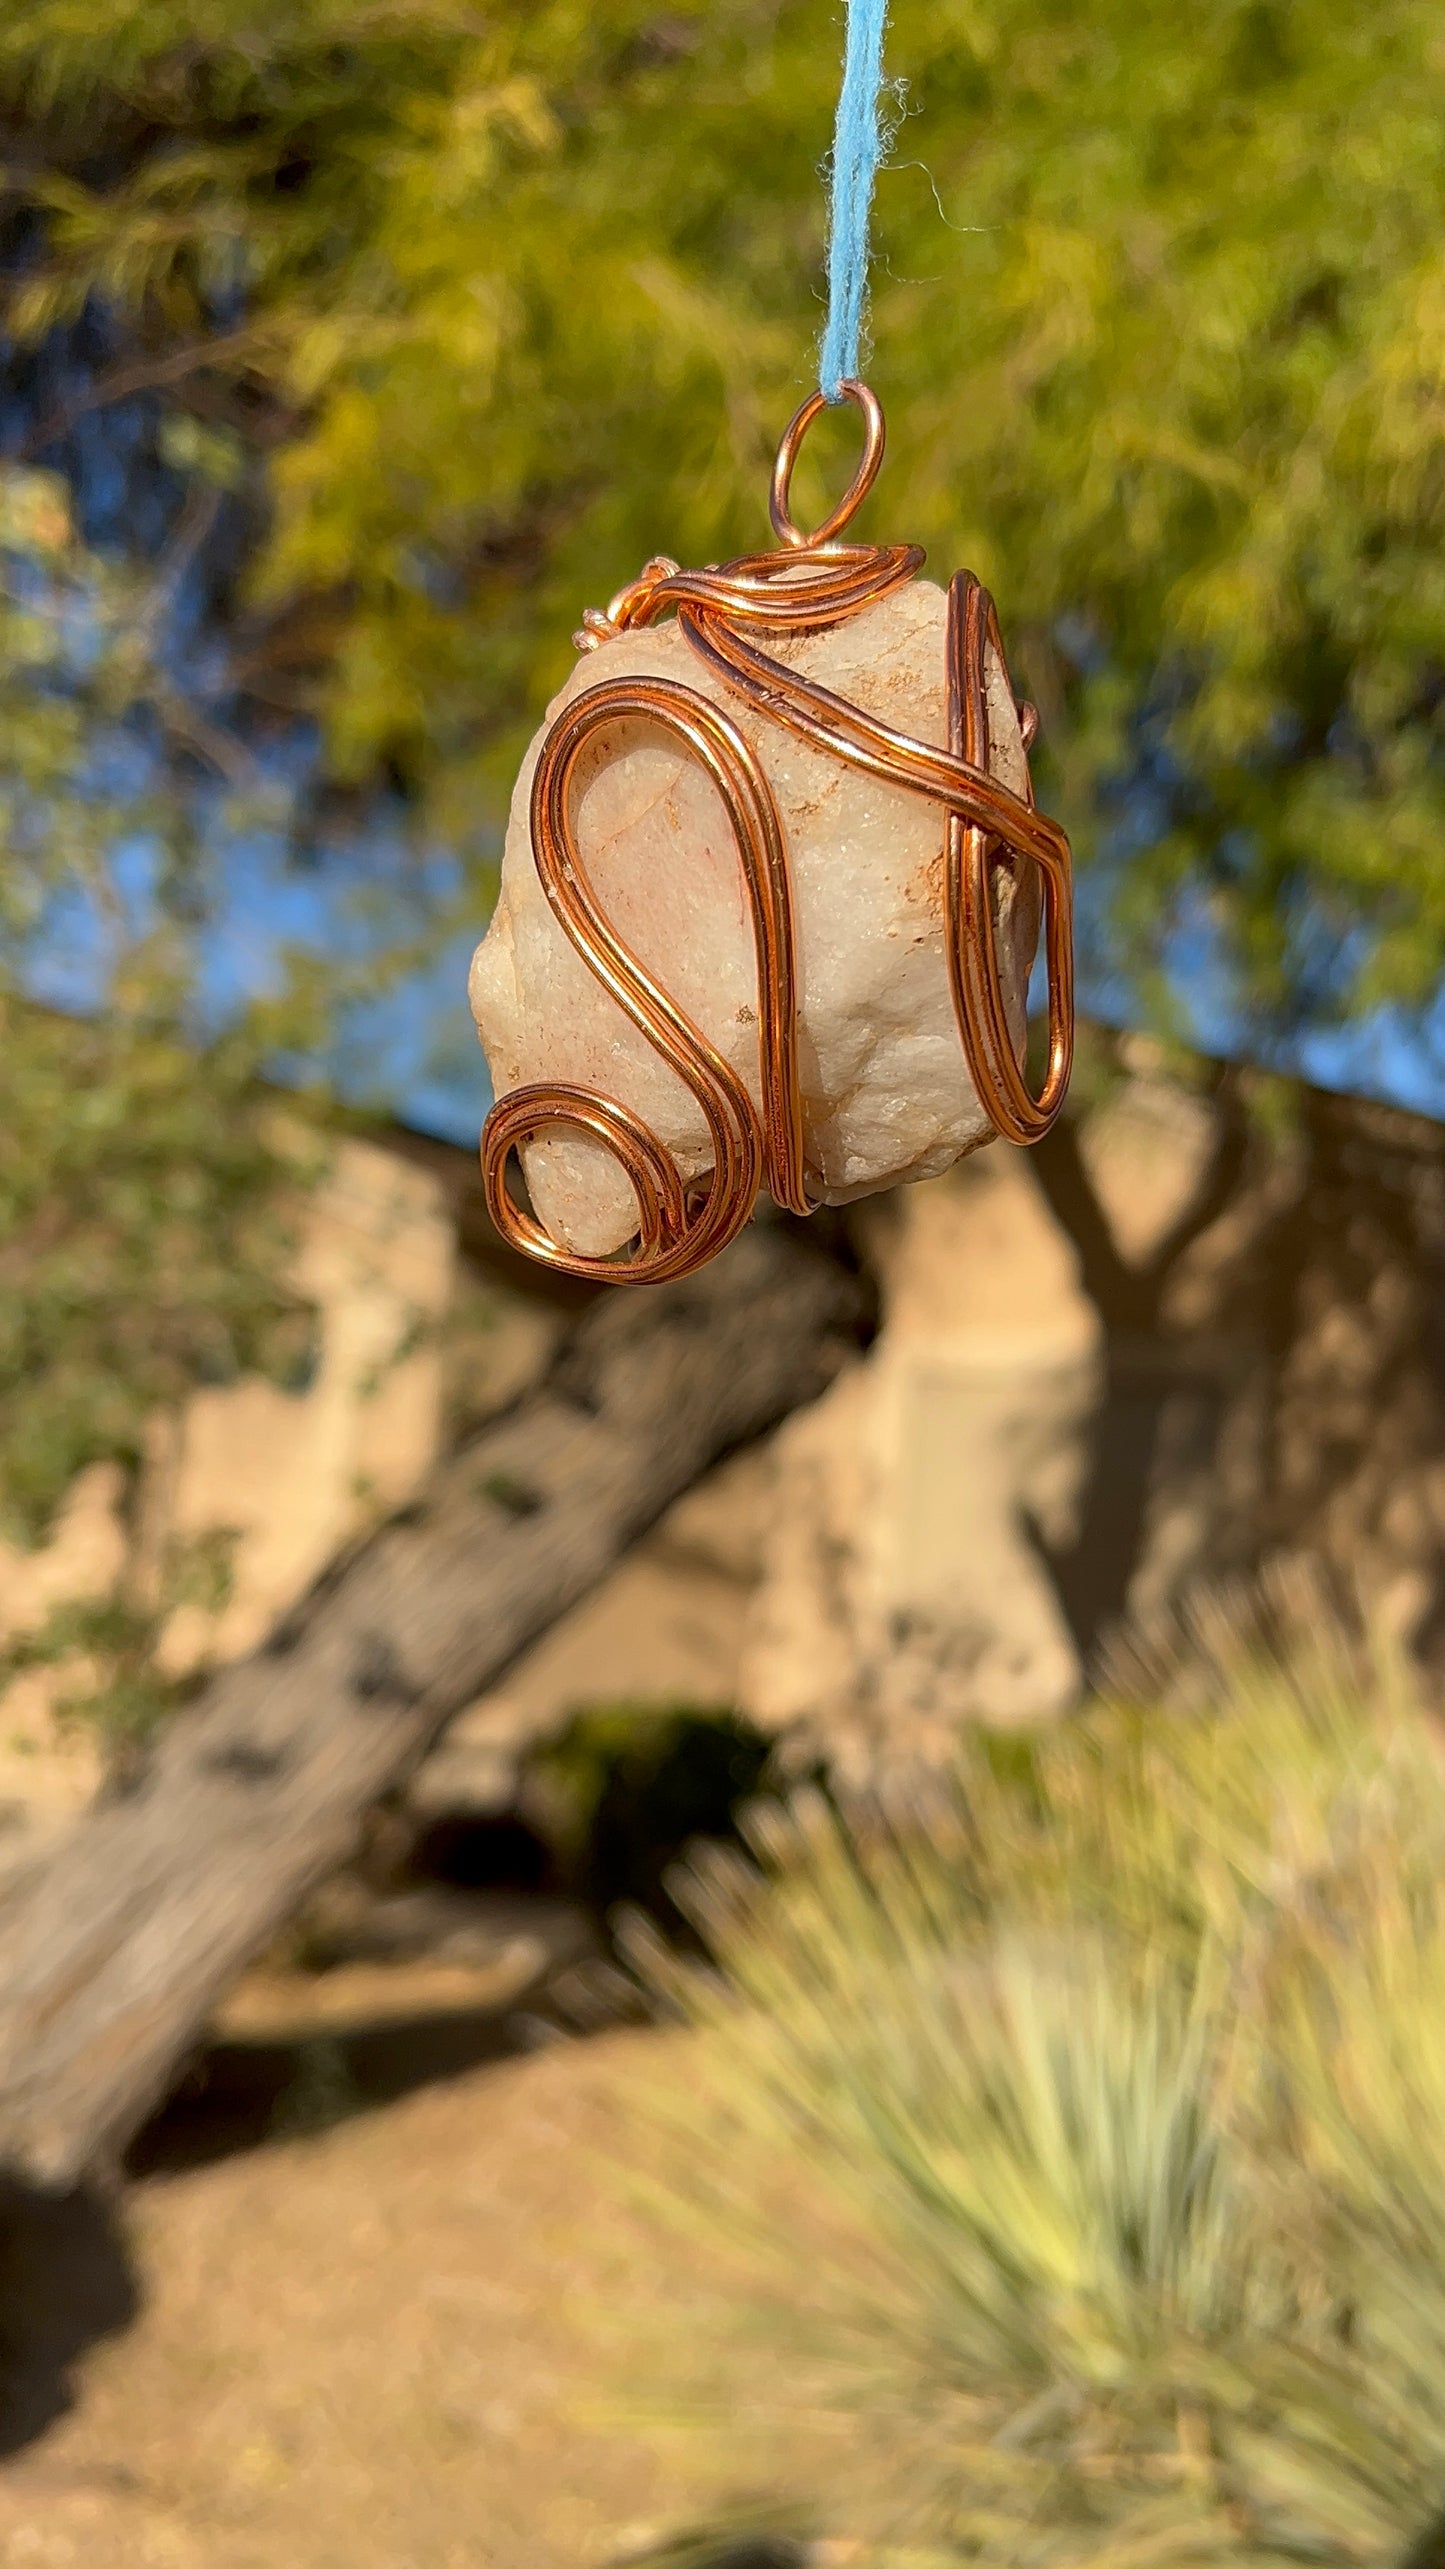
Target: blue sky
412	1050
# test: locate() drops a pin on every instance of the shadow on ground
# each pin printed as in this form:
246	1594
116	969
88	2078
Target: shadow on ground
628	1790
240	2096
66	2280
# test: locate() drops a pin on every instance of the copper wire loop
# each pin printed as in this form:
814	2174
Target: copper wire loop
811	584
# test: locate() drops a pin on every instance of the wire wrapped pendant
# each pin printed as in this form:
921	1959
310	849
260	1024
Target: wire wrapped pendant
781	941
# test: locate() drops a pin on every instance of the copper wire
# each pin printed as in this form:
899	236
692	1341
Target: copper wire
812	583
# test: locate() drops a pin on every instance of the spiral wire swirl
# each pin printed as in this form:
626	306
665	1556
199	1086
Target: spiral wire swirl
810	584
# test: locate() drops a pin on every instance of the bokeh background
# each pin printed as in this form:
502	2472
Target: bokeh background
348	351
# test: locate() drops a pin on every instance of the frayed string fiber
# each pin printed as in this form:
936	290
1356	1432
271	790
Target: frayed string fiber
857	150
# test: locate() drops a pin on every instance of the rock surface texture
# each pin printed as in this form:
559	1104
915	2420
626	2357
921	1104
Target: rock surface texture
886	1090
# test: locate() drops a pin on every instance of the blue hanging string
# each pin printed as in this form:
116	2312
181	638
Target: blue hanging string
857	150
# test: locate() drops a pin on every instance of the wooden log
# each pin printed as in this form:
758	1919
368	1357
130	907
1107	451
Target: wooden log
114	1950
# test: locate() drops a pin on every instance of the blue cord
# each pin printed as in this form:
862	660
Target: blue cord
857	149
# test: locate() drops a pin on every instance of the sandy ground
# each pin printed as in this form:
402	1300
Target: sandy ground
362	2347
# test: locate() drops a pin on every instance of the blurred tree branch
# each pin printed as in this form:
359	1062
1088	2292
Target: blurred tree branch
113	1950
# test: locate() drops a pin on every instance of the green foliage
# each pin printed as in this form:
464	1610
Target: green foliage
1065	2165
105	1649
626	1787
141	1248
502	304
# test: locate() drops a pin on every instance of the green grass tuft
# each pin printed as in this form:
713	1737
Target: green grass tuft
1064	2163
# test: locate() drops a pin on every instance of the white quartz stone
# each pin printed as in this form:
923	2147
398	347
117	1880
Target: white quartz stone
886	1090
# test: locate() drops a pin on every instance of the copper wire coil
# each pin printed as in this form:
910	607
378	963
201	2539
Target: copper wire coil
812	583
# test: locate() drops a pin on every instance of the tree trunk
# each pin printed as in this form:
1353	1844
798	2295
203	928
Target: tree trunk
113	1952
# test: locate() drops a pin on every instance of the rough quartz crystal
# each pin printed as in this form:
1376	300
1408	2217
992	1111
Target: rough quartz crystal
886	1090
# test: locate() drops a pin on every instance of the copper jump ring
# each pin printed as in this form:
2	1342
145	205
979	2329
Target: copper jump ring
812	583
